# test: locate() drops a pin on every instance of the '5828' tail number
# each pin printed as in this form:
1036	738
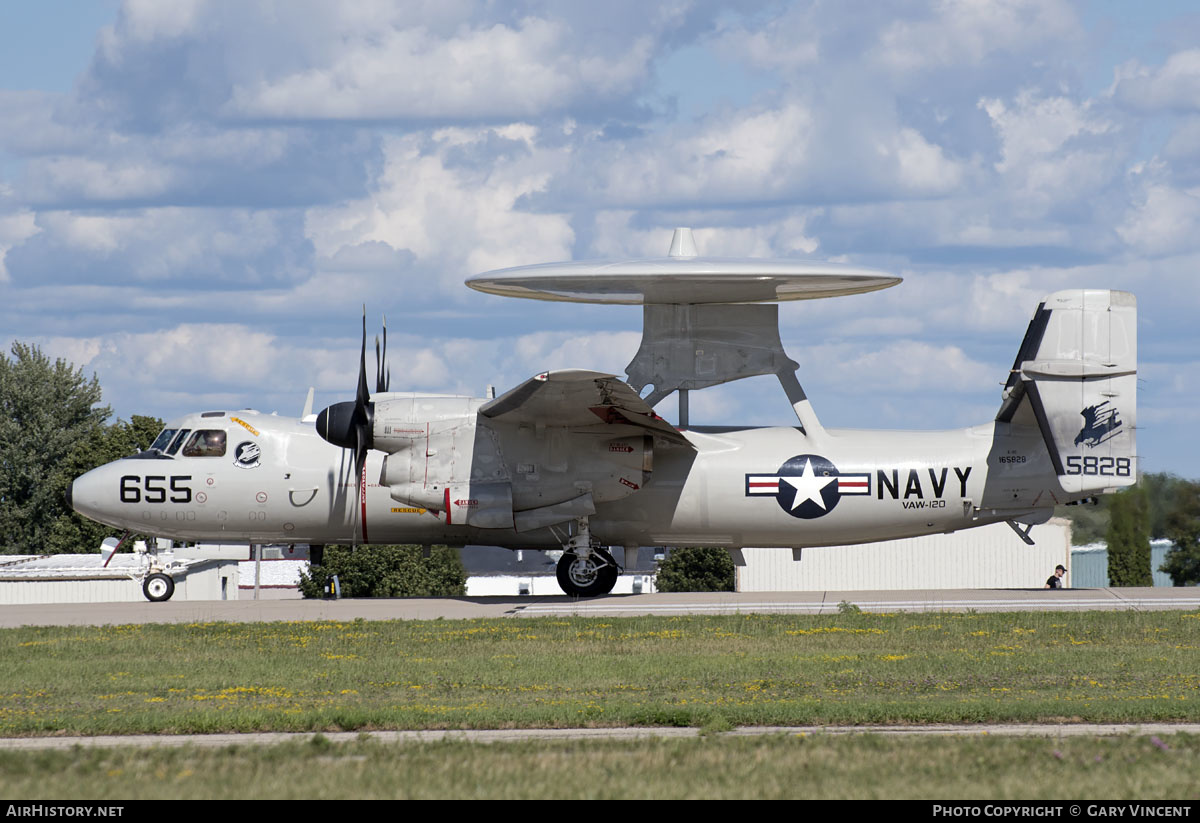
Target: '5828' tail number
1104	466
153	489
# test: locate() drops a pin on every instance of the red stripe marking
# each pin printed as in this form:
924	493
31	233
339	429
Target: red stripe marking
447	505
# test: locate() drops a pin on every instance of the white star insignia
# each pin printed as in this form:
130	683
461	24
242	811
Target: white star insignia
808	486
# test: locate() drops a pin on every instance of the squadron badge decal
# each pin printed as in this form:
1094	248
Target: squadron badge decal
1100	422
807	486
247	455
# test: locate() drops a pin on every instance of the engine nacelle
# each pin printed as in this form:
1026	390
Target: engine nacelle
403	418
453	467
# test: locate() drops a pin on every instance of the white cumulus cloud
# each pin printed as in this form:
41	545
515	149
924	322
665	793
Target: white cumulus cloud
457	219
1174	85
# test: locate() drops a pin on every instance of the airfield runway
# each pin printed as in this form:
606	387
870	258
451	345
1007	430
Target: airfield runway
629	605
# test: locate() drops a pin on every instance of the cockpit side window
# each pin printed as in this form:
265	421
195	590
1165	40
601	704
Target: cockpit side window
163	440
179	438
206	443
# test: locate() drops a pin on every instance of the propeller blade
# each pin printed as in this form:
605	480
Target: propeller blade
354	516
350	424
360	450
360	464
364	391
378	367
383	378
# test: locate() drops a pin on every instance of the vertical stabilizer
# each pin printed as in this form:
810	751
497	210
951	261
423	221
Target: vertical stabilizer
1077	371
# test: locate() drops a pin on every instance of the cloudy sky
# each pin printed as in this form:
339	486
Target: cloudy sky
196	198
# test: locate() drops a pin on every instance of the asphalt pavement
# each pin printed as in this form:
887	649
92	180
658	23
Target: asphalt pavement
623	605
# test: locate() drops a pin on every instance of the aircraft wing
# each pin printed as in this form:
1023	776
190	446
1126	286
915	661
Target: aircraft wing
577	397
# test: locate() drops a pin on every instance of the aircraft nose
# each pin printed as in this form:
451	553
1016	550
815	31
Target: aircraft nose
86	494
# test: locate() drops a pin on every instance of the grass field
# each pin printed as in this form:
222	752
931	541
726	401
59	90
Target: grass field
710	671
819	766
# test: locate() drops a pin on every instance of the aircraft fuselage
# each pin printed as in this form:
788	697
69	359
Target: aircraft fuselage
278	481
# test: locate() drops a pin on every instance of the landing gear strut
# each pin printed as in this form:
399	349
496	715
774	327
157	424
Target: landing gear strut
586	570
156	573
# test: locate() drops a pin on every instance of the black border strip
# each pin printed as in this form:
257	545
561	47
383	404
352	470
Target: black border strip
1031	343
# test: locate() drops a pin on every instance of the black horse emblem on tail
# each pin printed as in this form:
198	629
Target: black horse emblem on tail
1100	422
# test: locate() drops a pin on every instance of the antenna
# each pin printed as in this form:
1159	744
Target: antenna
705	320
683	244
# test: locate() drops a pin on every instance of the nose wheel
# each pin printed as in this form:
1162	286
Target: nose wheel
158	587
587	576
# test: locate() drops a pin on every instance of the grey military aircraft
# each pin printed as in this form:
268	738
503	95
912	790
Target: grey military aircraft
579	460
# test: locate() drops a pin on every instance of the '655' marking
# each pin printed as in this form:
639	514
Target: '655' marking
153	489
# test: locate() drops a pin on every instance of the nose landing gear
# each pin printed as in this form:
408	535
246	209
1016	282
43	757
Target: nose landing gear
158	587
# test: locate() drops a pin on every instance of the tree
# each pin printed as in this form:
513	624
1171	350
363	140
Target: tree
46	410
1164	494
1089	524
388	571
1129	539
696	569
52	430
1183	530
69	532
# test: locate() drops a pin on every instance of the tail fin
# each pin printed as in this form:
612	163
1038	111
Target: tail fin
1077	368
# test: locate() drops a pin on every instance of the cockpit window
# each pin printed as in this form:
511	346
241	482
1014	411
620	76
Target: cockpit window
179	438
205	443
163	440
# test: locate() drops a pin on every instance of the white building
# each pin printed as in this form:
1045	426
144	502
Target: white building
84	578
988	557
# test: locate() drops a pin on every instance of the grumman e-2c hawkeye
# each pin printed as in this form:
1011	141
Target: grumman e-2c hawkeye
578	460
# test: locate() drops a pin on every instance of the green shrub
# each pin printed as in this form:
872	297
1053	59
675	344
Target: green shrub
696	569
388	571
1129	539
1183	560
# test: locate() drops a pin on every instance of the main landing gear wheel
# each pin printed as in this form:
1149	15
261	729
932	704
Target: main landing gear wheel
158	587
588	576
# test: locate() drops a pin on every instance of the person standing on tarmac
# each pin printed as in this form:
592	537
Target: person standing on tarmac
1056	580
